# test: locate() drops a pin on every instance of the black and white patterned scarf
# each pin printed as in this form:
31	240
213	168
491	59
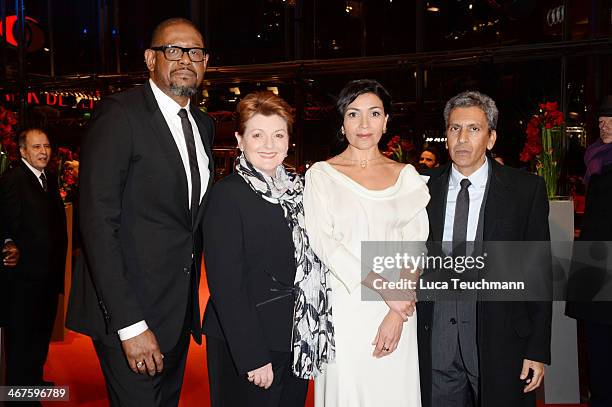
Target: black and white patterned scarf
313	331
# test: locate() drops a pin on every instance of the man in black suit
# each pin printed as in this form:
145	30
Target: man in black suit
146	164
474	352
36	222
589	272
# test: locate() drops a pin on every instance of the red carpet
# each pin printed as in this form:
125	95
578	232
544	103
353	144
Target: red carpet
73	363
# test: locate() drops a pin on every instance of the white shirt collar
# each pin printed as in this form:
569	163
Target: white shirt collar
34	170
478	177
165	102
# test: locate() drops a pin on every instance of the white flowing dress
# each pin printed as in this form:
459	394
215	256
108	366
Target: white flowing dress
340	214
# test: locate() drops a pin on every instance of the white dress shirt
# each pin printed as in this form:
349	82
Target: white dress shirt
476	190
170	109
35	171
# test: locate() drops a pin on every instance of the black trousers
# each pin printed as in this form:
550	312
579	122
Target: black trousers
128	389
229	389
29	321
599	351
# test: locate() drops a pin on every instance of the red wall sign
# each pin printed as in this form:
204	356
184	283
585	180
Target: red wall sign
34	36
50	99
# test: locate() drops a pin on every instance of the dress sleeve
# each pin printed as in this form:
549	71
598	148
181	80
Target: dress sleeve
345	265
415	234
414	209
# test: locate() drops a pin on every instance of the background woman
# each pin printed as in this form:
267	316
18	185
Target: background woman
360	195
255	250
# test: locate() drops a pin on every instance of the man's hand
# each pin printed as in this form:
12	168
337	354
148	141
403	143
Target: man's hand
262	377
143	354
538	374
10	254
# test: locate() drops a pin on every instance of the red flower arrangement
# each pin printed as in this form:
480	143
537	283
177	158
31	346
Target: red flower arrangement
9	150
544	137
398	149
66	165
548	118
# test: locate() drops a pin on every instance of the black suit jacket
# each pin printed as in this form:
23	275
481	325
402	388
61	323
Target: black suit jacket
586	278
516	209
36	221
250	268
139	244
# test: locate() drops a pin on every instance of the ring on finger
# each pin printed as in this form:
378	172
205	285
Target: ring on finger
140	365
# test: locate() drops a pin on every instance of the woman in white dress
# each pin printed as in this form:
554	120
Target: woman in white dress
360	195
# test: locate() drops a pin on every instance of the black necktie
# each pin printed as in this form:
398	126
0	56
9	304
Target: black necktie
193	164
462	209
43	179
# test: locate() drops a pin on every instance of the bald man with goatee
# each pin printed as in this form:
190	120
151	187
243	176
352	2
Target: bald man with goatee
146	167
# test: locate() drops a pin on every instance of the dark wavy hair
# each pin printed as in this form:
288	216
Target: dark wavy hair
352	91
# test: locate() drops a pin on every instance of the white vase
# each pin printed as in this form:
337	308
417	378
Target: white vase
561	385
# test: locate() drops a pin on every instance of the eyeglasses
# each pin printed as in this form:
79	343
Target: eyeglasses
175	53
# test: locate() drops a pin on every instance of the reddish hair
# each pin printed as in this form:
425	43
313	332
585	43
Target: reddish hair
265	103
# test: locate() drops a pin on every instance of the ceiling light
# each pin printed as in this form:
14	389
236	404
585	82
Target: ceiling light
433	8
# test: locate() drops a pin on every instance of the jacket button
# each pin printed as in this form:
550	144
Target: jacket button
186	270
453	321
427	327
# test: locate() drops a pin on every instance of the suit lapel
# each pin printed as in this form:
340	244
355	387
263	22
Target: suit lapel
34	182
206	136
438	190
168	145
497	201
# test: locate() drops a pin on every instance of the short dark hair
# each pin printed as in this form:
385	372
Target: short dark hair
432	149
356	88
473	99
159	29
21	139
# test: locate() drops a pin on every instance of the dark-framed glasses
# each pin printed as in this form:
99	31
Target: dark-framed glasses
175	53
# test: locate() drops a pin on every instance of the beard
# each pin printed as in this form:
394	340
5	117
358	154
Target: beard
183	91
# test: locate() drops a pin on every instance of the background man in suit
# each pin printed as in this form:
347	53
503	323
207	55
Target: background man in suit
146	166
35	220
472	352
586	276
